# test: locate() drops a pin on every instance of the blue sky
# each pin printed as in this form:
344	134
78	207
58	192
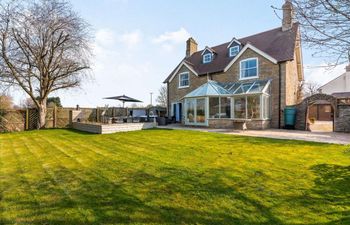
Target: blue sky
137	43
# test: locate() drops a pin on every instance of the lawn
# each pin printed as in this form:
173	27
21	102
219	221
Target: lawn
170	177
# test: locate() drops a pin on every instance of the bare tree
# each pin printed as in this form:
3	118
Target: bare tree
44	47
6	102
162	98
310	88
325	27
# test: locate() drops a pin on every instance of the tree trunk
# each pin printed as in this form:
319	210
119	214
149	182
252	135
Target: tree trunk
42	110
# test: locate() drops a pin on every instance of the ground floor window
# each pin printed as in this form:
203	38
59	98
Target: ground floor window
219	107
251	107
195	111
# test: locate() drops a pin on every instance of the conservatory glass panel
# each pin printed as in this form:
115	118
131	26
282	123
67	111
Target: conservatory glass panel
225	106
243	88
200	110
266	110
240	107
253	107
214	107
190	107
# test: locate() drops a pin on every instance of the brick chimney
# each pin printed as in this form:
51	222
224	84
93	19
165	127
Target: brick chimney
191	47
288	14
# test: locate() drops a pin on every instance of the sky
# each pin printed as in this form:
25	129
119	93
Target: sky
137	43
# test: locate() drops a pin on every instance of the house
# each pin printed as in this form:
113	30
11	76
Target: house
341	84
246	82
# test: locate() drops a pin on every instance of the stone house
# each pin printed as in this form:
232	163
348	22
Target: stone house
244	83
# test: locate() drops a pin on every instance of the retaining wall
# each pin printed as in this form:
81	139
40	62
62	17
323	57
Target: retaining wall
111	128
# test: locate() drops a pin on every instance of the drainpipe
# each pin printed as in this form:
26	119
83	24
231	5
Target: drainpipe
279	94
168	100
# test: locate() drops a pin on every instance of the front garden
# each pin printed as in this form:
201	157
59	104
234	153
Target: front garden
170	177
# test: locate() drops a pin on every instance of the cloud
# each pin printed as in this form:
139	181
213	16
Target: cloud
321	74
168	40
131	39
105	37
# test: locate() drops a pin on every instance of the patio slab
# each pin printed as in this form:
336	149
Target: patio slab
324	137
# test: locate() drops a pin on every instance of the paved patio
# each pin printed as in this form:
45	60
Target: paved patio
325	137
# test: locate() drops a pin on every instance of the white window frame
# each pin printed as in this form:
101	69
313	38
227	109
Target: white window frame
240	69
236	48
220	97
205	55
188	77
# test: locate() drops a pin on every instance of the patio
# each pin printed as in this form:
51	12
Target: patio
323	137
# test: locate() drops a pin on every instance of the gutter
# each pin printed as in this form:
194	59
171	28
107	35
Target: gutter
279	93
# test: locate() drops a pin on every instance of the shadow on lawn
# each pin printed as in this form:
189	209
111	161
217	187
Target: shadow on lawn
173	196
333	186
139	197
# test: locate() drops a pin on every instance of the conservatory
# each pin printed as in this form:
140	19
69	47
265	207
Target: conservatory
233	101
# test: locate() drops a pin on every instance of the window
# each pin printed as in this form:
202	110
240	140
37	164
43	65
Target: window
253	107
219	107
225	107
184	80
234	51
266	107
207	58
214	107
240	108
249	68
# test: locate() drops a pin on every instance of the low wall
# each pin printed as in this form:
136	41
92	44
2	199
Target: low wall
342	122
239	124
111	128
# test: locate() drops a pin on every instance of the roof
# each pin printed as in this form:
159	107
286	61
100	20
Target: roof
214	88
276	43
341	95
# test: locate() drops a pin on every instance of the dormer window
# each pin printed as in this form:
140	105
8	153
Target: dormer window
233	51
207	58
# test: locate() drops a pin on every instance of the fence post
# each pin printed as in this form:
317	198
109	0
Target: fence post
54	116
27	119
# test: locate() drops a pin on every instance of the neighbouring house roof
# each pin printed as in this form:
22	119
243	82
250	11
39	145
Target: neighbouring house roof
214	88
341	95
275	43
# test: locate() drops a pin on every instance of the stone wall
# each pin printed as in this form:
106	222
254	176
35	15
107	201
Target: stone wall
239	124
341	113
342	122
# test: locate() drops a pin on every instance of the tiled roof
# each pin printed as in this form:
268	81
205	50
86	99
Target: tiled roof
276	43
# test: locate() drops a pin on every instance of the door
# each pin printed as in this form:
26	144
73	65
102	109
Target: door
177	111
195	111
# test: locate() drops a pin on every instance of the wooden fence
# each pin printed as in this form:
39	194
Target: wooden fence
26	119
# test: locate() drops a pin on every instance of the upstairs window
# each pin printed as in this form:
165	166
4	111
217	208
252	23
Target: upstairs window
249	68
207	58
184	80
234	51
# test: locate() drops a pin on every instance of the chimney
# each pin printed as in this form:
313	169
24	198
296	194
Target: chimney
191	47
288	14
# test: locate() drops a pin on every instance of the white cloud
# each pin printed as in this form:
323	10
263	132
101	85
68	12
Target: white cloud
321	74
117	71
105	37
131	39
168	40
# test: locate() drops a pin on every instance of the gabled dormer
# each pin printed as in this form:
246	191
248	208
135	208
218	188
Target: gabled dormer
208	55
234	47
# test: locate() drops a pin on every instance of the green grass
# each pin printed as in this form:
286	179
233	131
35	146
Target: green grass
170	177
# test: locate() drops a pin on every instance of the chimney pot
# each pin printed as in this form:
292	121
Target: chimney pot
191	47
288	14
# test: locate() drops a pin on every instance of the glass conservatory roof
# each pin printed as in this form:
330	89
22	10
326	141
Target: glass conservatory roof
213	88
